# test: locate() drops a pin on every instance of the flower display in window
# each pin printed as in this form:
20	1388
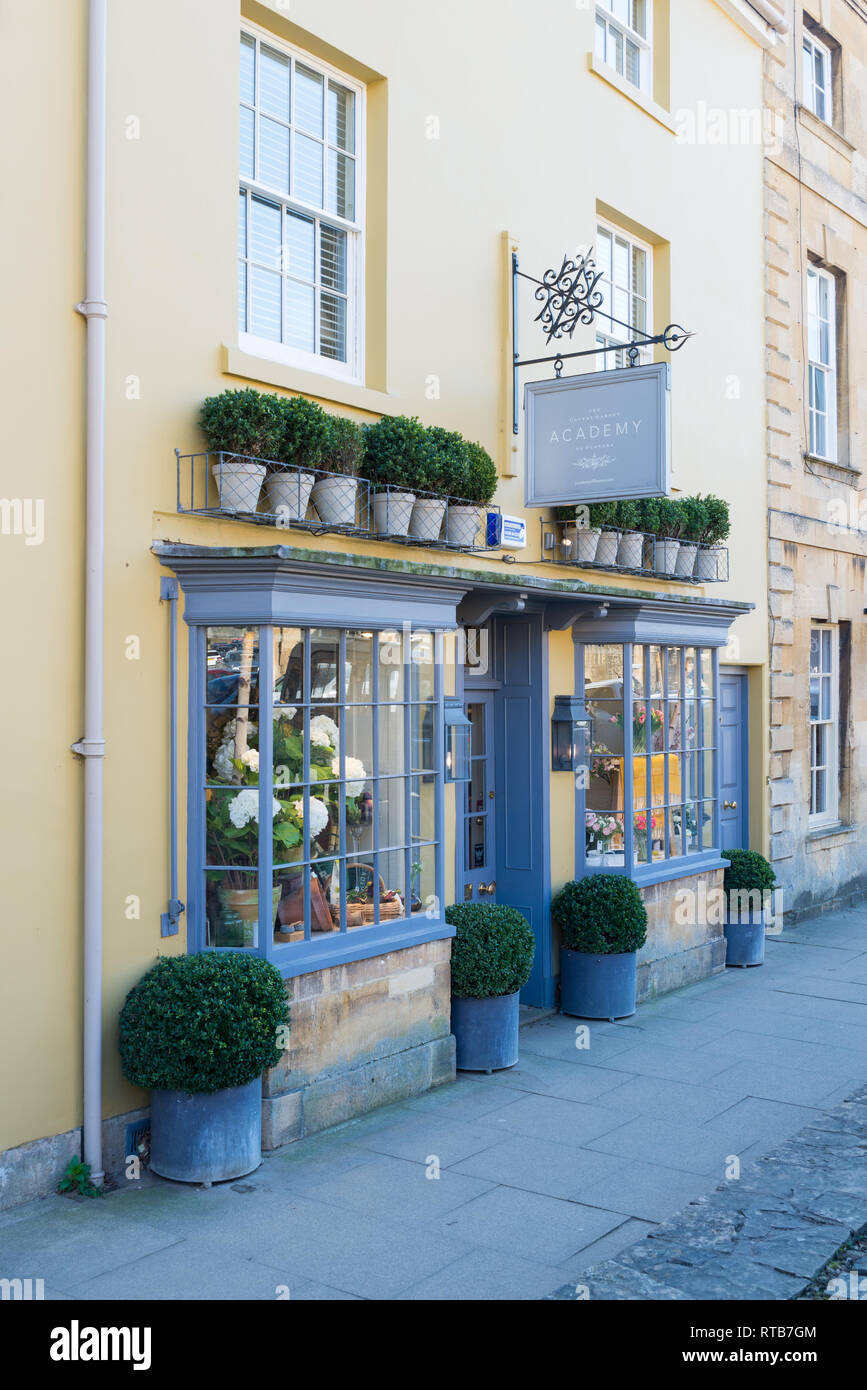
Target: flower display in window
601	830
354	768
319	816
324	732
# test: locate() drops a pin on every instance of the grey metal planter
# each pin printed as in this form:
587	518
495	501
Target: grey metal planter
486	1032
597	986
207	1138
745	939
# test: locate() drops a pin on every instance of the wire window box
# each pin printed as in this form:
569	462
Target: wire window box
633	552
273	494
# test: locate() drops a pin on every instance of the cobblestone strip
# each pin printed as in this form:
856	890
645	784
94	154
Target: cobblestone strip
764	1236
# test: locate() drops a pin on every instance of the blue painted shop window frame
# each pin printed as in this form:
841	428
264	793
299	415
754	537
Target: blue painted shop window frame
661	870
323	949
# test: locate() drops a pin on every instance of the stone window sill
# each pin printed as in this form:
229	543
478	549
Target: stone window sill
236	362
631	92
841	472
831	137
827	836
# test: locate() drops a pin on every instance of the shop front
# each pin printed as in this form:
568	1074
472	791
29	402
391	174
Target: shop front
330	820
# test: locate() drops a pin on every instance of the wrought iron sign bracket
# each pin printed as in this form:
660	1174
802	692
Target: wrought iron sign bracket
570	296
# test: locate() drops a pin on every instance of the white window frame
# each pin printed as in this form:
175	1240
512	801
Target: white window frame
830	769
617	335
352	370
616	26
813	48
823	315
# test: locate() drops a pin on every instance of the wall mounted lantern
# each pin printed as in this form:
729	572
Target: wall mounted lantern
458	734
571	734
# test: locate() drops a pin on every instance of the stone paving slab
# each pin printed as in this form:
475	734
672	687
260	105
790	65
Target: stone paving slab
764	1238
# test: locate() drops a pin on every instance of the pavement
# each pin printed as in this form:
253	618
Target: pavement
501	1187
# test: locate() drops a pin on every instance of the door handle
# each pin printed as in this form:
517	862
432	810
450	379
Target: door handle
730	805
487	887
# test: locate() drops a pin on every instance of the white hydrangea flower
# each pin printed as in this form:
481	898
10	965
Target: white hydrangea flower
318	815
245	807
354	768
251	759
324	732
223	765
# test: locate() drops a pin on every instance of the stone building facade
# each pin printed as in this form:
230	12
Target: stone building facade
816	345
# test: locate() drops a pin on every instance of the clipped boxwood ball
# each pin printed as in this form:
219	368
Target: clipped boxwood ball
203	1023
492	952
601	915
747	869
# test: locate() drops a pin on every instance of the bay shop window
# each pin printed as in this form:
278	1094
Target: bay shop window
316	791
649	800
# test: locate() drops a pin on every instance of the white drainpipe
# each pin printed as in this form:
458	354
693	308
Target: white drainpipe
92	746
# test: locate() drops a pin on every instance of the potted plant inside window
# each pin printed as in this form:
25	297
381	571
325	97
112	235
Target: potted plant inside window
710	560
198	1032
396	453
305	433
492	957
244	428
335	492
692	524
630	553
472	487
604	923
748	882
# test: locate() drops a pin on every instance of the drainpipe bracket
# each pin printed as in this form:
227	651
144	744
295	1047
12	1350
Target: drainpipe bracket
92	309
89	748
169	920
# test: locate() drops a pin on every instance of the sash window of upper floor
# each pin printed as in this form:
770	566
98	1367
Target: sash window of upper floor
623	39
300	239
625	313
817	73
822	355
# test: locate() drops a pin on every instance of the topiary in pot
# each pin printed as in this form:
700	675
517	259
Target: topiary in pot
397	465
627	519
305	430
492	958
669	521
604	922
198	1032
248	426
335	493
472	487
710	561
692	521
604	530
748	882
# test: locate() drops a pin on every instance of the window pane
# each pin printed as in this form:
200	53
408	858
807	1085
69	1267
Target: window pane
242	269
300	316
248	69
390	665
639	17
341	185
233	666
633	63
341	117
232	909
265	313
308	100
247	142
308	169
232	747
392	750
332	258
266	233
274	83
332	332
273	154
300	247
600	38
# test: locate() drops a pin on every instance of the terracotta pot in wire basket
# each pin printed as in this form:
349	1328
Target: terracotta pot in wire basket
361	914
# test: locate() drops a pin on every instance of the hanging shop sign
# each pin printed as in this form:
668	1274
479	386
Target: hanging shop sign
601	436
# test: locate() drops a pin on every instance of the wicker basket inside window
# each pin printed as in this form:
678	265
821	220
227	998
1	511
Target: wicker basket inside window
361	914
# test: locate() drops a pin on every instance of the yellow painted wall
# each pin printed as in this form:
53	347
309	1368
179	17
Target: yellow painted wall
531	143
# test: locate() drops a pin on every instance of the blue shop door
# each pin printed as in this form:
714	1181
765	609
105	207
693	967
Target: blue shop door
520	786
733	761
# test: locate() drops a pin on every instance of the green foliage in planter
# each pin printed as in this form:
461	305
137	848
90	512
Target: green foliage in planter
343	448
747	870
306	430
717	521
601	915
627	515
603	514
447	462
202	1023
480	477
397	453
492	952
668	518
243	422
692	518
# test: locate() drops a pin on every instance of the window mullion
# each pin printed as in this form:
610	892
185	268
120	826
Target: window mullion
628	757
341	792
266	791
375	774
307	849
